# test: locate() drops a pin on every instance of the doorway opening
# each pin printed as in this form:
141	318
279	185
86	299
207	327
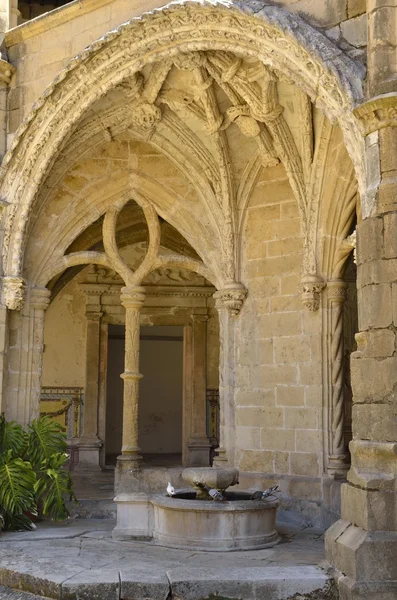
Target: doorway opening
160	394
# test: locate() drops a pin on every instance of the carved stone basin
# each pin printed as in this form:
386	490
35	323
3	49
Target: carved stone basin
238	523
215	477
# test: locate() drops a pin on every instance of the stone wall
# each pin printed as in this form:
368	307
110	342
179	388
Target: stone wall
278	383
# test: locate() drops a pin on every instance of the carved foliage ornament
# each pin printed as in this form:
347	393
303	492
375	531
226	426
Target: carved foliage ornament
378	113
311	288
14	291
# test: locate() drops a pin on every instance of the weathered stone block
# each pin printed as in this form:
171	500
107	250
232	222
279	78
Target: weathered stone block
375	306
264	376
361	555
259	416
369	229
301	418
356	7
255	398
376	422
281	462
290	395
294	349
308	441
355	31
256	460
369	509
248	438
372	380
278	439
304	463
376	343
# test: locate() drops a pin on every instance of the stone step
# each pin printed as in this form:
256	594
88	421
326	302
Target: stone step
142	582
93	508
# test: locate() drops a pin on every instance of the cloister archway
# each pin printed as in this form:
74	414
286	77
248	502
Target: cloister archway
224	99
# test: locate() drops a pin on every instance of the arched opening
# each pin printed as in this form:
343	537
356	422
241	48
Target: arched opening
217	138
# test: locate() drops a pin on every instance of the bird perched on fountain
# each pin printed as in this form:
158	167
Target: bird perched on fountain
259	495
214	494
170	489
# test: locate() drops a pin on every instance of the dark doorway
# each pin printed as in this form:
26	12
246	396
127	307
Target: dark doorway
160	397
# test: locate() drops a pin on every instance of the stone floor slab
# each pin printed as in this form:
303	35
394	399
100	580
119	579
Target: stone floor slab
80	560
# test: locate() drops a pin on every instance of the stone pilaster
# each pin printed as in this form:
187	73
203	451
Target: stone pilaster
90	444
338	458
362	546
195	392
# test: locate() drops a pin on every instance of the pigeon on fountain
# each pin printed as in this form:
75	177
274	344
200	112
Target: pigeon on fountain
170	490
259	495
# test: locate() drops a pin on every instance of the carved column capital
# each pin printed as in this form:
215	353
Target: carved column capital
310	289
40	298
133	296
377	113
14	292
336	289
231	297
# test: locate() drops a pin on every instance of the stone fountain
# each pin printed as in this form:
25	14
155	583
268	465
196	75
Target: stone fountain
192	520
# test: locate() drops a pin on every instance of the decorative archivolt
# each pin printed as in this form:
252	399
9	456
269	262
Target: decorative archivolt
271	36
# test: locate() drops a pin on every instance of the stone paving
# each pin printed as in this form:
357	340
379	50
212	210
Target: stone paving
79	560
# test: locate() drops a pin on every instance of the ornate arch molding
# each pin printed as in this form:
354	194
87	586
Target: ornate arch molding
280	40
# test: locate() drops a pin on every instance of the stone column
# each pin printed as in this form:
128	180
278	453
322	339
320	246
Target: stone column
225	452
362	546
132	298
9	14
338	457
134	511
90	444
39	302
382	42
195	384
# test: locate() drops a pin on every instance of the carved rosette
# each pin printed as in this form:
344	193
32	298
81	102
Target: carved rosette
232	297
310	289
145	115
14	292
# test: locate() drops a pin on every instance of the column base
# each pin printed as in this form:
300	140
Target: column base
374	590
367	560
338	465
199	452
221	459
134	517
127	473
89	454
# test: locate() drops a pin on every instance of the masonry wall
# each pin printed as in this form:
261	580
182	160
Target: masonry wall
279	373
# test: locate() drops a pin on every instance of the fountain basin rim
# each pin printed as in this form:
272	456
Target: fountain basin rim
183	504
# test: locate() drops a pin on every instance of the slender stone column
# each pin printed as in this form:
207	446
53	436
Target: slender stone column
39	302
132	298
90	444
362	546
226	384
338	457
195	379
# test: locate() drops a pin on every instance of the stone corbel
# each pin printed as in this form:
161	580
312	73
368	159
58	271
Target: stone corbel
14	292
310	289
232	296
377	113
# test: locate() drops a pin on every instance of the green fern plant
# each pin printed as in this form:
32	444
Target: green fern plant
32	472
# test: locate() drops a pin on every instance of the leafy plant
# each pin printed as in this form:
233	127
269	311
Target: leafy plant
32	472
